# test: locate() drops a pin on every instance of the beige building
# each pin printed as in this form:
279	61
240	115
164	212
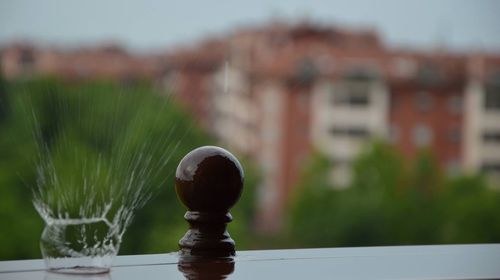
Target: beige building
482	122
345	114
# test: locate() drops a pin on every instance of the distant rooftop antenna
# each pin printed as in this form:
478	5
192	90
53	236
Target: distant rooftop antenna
226	76
443	33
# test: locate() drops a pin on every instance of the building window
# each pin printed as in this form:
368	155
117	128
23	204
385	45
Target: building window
26	61
454	135
423	101
306	72
393	133
453	167
405	67
455	104
352	94
27	58
352	132
429	74
422	135
394	101
492	92
490	167
491	137
492	98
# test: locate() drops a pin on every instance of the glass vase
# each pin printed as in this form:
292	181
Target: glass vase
79	246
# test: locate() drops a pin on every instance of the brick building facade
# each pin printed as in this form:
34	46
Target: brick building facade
282	90
277	91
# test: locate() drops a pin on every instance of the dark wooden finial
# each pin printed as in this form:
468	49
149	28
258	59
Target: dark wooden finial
209	181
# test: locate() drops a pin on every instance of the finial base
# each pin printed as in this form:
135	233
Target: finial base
207	236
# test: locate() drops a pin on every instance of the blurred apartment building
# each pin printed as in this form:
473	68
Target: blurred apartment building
276	92
108	62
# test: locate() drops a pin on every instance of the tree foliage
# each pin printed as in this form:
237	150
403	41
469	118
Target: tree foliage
392	203
97	125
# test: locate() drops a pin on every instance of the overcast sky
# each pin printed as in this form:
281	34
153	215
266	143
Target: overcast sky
147	24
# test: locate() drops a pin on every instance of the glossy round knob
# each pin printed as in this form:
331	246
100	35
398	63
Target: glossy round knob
209	179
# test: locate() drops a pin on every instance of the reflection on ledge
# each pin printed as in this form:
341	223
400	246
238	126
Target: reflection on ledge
66	276
206	268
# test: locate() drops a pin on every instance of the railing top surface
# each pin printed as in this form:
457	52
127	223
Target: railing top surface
481	261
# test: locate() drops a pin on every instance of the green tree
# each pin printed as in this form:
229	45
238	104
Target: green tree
392	203
471	211
99	125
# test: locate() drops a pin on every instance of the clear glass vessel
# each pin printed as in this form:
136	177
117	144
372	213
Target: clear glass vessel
80	246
